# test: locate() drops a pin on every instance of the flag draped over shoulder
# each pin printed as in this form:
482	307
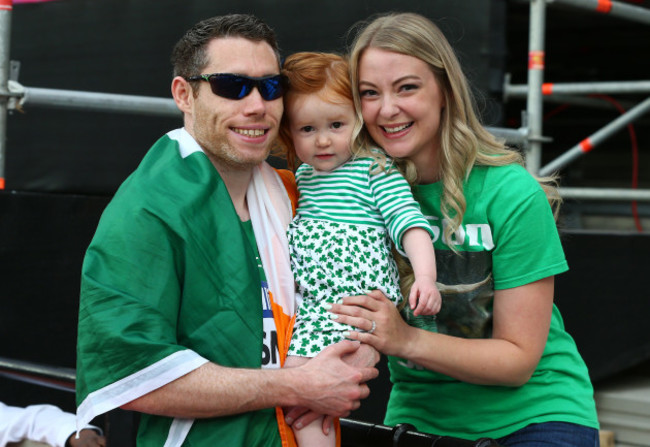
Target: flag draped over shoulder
271	212
169	282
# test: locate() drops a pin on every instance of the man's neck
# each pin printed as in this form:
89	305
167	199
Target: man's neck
237	181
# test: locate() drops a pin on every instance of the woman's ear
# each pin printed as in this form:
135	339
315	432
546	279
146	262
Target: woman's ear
183	94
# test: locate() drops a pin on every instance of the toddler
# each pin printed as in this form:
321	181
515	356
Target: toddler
352	204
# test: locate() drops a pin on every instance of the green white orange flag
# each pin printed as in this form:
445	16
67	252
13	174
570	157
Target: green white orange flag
197	300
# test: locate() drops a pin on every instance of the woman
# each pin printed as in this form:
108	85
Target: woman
501	364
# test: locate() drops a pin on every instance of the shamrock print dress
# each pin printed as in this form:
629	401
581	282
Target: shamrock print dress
340	242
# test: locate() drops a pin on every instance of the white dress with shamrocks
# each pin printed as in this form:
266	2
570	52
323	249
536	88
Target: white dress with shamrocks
340	242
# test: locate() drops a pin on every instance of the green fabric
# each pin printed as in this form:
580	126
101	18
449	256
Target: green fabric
170	269
508	239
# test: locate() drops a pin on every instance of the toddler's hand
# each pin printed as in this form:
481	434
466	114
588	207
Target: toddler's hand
425	297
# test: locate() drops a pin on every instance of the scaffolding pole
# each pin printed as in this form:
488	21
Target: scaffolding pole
535	80
513	137
5	35
596	138
147	105
56	377
612	8
106	102
580	88
632	195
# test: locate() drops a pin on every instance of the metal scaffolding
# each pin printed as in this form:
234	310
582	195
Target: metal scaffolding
529	137
536	92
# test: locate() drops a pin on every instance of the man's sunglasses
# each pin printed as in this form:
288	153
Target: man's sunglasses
232	86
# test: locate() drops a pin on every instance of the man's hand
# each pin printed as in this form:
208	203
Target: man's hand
87	438
345	366
334	387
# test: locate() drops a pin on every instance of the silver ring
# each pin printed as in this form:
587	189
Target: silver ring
374	326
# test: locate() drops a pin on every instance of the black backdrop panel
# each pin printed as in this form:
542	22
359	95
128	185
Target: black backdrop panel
42	244
604	299
123	47
44	238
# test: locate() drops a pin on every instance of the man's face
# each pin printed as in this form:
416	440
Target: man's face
236	134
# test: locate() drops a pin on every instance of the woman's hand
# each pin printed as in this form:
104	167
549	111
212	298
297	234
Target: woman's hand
390	332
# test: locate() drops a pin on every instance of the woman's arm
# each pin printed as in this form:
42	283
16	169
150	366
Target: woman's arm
522	318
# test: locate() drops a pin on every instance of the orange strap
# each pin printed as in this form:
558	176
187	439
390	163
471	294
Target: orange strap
289	181
547	88
2	183
286	434
284	325
6	5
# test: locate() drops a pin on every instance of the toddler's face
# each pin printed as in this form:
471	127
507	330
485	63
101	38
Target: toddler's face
321	131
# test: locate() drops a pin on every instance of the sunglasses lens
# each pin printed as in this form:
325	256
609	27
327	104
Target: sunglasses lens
271	88
230	86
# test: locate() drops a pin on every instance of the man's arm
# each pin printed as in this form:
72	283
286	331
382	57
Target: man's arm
326	384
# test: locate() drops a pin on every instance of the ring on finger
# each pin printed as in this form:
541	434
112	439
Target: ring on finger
374	326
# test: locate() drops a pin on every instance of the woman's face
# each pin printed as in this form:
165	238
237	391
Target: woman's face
401	103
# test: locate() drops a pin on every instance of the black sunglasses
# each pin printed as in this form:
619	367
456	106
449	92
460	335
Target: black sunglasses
232	86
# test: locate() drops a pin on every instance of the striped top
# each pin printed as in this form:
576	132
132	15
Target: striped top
359	192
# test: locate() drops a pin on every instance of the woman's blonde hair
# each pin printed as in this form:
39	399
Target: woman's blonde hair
464	141
323	74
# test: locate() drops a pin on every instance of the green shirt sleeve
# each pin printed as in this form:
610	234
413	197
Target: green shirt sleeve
527	245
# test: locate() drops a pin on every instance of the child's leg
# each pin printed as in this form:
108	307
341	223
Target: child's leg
311	435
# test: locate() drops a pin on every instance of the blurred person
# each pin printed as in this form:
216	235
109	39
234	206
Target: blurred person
48	424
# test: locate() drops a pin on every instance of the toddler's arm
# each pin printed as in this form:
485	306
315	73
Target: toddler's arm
424	297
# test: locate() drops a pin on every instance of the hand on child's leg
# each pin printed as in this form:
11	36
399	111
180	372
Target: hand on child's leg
313	435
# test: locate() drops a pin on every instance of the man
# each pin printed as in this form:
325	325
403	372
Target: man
45	423
171	320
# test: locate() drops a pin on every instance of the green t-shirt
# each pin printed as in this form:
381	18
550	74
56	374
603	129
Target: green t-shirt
508	238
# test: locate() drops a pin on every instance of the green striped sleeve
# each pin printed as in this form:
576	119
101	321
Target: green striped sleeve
395	202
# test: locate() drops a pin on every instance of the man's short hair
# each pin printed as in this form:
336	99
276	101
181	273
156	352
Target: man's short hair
189	56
